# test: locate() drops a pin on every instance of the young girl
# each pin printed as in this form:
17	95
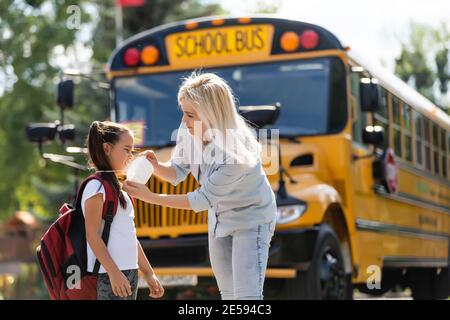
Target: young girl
110	146
234	189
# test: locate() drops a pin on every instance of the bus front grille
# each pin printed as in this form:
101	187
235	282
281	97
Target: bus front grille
154	216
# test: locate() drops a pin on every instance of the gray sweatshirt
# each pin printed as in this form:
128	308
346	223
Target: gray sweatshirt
237	197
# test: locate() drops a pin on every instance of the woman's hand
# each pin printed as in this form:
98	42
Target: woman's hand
163	170
120	285
151	156
156	289
137	190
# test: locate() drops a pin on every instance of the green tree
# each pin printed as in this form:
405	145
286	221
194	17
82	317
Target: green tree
424	62
263	6
32	33
29	32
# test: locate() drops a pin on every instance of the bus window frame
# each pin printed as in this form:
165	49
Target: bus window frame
377	117
435	149
357	115
427	143
419	137
394	126
448	153
443	152
405	133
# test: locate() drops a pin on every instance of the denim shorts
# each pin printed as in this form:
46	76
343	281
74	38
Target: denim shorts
104	288
239	261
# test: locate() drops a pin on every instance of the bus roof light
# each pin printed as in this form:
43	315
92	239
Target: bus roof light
191	25
218	22
309	39
289	41
244	20
131	57
150	55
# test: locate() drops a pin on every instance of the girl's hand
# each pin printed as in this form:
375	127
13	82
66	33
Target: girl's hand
156	289
137	190
120	285
151	156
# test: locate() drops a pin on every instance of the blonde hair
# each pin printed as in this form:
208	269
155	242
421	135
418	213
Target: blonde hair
213	100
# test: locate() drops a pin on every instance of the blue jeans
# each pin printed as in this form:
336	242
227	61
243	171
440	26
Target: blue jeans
239	262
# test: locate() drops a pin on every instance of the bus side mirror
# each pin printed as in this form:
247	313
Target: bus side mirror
373	135
41	132
369	95
67	133
260	116
65	94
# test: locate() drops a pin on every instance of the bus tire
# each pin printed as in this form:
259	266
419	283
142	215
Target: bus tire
325	278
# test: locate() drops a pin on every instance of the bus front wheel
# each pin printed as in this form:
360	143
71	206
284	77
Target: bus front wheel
325	277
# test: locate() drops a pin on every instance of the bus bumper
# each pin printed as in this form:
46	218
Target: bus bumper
290	250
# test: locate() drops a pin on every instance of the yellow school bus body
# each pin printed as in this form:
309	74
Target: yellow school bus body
407	229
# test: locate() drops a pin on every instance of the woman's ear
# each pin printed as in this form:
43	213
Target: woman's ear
106	148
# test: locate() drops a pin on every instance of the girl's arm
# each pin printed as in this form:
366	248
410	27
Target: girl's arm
156	289
144	264
93	217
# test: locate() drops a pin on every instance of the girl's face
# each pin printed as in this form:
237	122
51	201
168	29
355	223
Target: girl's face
120	153
191	119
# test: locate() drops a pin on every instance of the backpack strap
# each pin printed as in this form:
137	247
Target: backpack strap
77	204
132	199
109	209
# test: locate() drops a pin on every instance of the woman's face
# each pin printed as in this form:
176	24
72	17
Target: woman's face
191	119
120	153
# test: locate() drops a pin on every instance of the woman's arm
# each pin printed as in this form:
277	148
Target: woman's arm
93	217
140	191
177	201
165	171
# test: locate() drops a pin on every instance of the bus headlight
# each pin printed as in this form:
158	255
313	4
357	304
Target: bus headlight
288	214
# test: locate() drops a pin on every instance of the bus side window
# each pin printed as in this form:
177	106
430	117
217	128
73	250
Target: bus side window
418	128
427	144
448	151
443	153
359	119
407	131
382	118
396	125
435	149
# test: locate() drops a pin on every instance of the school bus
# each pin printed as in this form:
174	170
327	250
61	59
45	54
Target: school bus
363	194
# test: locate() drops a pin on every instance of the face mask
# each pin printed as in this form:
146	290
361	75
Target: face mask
140	170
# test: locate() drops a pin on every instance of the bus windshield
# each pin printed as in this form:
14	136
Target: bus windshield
311	94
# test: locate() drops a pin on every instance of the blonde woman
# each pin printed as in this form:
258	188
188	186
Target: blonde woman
215	144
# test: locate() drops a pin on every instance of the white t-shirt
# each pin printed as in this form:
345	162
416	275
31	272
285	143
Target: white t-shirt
122	244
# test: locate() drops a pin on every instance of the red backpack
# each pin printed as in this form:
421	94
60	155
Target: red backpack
62	254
